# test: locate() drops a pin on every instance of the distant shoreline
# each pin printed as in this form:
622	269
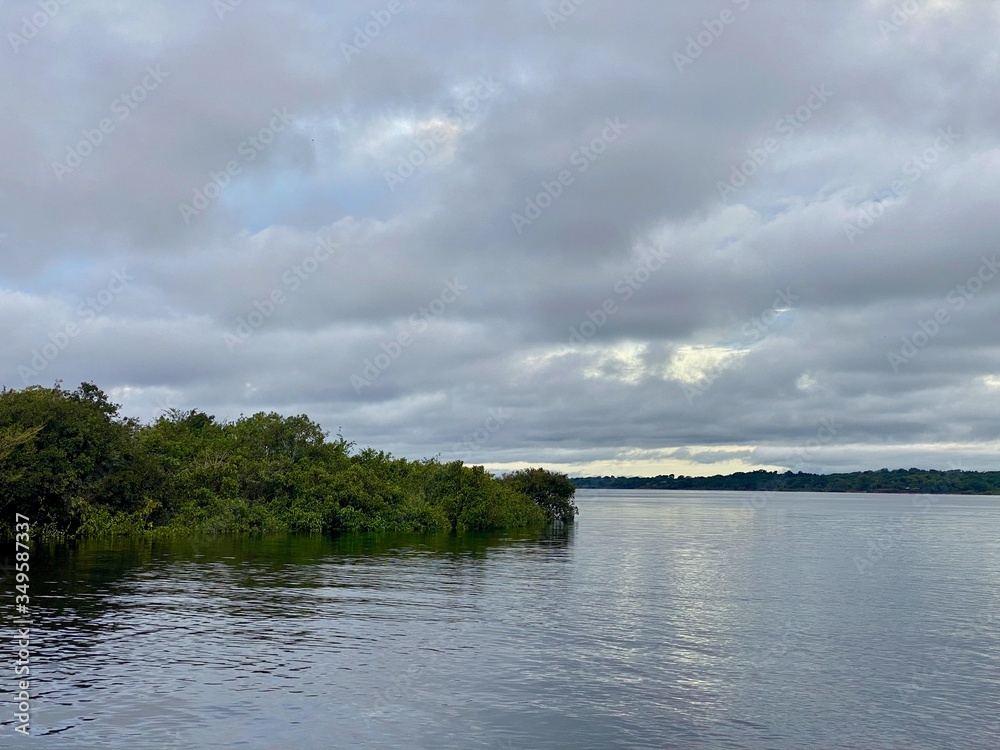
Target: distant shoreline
884	481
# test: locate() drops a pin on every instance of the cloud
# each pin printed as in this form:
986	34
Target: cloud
641	320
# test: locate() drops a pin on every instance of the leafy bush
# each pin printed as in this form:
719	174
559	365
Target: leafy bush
552	492
72	464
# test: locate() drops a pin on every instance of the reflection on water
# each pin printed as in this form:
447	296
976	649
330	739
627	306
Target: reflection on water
661	619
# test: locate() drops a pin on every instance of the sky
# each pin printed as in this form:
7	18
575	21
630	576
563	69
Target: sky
625	237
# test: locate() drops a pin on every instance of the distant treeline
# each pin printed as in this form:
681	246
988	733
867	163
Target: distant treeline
75	467
899	480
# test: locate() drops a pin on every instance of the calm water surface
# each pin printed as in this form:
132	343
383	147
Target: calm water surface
660	620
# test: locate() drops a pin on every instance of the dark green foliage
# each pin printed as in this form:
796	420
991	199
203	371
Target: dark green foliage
475	501
929	481
65	452
73	465
552	492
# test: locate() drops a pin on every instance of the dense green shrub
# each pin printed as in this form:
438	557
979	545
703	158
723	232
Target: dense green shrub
72	464
67	451
551	492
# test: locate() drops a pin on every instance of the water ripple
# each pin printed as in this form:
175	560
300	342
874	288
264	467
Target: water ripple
662	620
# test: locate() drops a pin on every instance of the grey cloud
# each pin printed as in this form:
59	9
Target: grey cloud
613	399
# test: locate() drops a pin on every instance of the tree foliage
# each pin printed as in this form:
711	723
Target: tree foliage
552	492
66	450
953	481
72	463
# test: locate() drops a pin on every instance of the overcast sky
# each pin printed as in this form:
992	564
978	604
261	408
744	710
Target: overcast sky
611	237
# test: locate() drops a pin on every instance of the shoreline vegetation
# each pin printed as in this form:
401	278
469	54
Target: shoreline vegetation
898	481
78	468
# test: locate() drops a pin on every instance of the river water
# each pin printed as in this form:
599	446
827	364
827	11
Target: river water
659	620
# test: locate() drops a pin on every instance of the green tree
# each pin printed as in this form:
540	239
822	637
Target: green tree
65	453
552	492
76	467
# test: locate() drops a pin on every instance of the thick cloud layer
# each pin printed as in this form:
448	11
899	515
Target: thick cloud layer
628	237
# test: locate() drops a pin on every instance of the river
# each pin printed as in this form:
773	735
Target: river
659	620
